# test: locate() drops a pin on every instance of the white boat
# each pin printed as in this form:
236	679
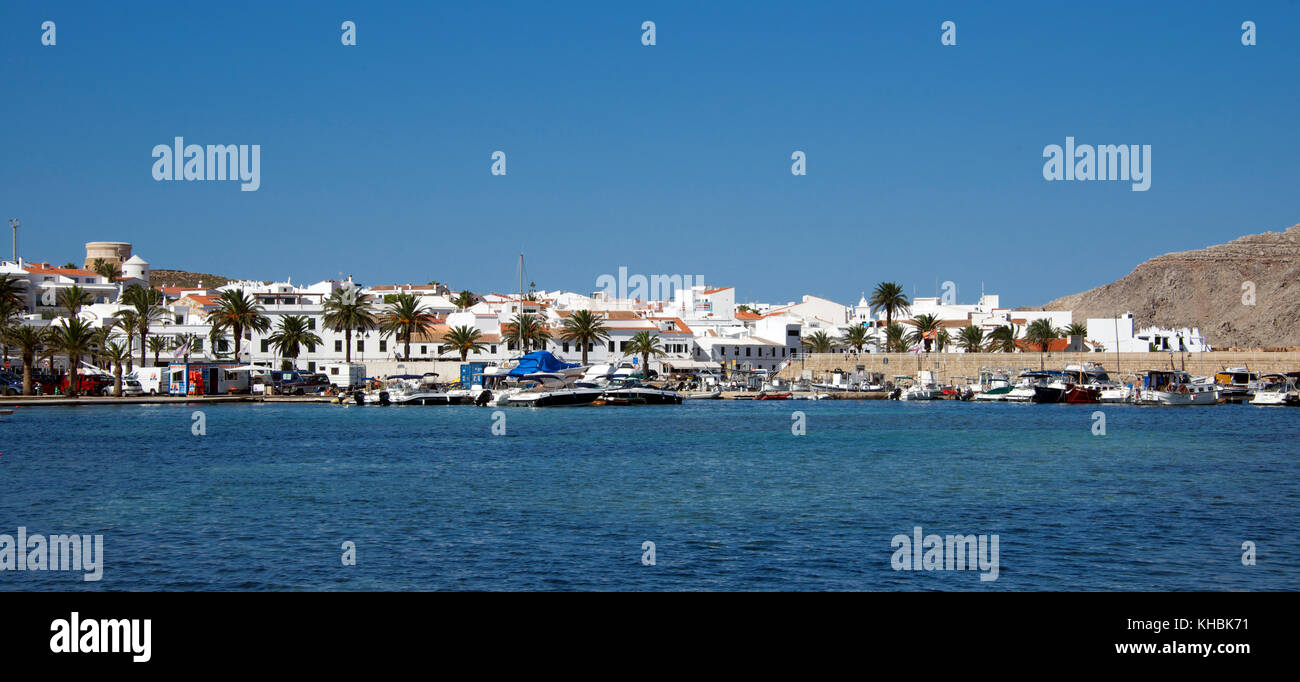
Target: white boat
1274	389
702	395
1173	387
924	388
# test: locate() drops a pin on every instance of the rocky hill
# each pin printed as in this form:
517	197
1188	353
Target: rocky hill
1205	289
181	278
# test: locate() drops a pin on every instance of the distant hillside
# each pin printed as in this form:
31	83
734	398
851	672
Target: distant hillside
1204	289
181	278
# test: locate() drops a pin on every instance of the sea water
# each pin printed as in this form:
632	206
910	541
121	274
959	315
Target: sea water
708	495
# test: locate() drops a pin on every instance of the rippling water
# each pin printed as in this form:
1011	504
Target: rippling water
730	497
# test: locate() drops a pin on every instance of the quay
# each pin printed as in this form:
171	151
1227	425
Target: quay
46	401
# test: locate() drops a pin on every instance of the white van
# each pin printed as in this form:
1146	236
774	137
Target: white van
153	380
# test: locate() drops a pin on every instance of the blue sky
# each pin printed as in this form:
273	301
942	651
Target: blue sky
924	161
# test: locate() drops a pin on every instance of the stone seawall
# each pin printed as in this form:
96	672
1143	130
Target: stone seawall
953	367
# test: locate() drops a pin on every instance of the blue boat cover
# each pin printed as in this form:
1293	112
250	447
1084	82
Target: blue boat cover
541	361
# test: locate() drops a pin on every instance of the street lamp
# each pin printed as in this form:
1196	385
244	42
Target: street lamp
13	222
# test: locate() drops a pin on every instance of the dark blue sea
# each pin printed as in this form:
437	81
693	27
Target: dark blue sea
730	497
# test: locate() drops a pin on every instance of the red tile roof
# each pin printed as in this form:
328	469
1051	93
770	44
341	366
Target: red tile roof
47	269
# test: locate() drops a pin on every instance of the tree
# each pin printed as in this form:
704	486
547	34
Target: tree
347	310
942	339
895	338
157	344
185	344
106	269
971	338
146	303
74	339
889	297
9	316
238	312
1040	333
818	342
29	341
584	328
464	300
405	317
645	344
526	329
1076	329
11	290
292	334
117	354
129	322
856	337
73	298
1003	339
463	340
926	327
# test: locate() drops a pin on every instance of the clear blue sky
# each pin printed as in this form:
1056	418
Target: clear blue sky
924	162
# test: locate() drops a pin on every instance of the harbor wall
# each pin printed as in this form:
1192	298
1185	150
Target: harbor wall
950	366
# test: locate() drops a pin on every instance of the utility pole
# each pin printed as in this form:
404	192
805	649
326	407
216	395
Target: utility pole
13	222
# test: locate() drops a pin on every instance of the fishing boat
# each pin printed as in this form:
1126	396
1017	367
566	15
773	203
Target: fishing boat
1173	387
1237	384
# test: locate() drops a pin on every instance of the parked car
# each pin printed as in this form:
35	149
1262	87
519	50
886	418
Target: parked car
10	383
87	384
129	387
293	382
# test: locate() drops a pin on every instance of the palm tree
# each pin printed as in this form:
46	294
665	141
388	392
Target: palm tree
942	339
819	342
29	341
291	335
464	300
895	339
645	344
187	341
1003	339
74	339
238	312
157	344
926	326
129	322
73	298
9	315
1076	329
108	270
118	354
347	310
584	328
971	338
889	297
405	317
857	336
464	339
146	303
1040	332
526	329
10	290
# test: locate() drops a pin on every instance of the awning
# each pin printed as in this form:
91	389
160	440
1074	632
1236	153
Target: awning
690	364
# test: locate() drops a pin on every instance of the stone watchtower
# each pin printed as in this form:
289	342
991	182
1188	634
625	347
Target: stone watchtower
116	253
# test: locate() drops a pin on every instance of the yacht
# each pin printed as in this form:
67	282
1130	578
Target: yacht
1237	384
630	391
924	388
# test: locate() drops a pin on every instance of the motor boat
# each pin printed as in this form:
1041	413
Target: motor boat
1173	387
1274	389
1237	384
630	391
406	389
924	388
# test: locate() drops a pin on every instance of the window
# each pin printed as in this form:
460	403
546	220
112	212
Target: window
222	345
424	350
383	345
266	346
611	346
361	345
311	366
566	346
747	349
198	345
494	348
338	345
311	323
334	371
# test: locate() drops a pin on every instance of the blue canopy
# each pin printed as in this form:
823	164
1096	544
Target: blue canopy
541	361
